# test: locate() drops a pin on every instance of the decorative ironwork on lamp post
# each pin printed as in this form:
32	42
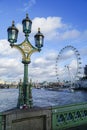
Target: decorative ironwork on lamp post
26	49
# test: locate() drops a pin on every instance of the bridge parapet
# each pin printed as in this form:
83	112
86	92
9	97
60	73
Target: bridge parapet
69	116
2	122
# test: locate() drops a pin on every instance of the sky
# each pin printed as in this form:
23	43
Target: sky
62	22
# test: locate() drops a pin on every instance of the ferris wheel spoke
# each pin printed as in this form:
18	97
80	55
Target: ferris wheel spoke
71	70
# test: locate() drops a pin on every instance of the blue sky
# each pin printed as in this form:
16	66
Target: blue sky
63	22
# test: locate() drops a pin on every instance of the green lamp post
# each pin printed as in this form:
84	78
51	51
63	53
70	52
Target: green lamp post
26	49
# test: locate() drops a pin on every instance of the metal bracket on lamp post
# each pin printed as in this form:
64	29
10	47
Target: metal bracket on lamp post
26	49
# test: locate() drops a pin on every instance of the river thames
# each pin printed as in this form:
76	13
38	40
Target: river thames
42	98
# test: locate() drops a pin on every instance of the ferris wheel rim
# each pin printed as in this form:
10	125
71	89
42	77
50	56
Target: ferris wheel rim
78	58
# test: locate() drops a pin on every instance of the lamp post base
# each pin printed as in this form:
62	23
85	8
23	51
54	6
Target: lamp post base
24	103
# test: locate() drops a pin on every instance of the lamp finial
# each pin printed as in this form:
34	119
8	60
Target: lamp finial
39	29
13	23
26	15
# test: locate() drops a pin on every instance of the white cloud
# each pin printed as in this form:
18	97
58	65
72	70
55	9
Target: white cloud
52	55
48	24
70	34
19	26
41	73
40	61
66	54
5	48
27	5
10	64
54	28
7	51
43	68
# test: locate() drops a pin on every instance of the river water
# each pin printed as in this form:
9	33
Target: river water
42	98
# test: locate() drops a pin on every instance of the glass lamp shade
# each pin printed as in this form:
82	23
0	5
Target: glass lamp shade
27	23
12	33
39	39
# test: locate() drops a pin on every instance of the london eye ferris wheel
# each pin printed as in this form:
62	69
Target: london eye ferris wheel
68	64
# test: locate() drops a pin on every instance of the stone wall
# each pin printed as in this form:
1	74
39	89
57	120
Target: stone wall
32	119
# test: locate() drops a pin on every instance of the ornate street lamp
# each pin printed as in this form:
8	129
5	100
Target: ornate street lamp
26	49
